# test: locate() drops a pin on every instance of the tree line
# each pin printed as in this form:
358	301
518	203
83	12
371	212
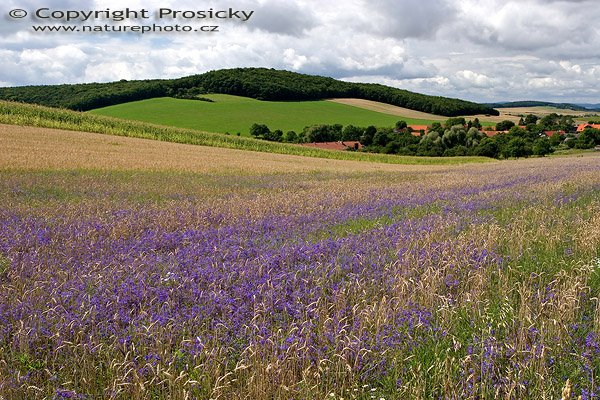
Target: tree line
456	137
257	83
563	106
86	96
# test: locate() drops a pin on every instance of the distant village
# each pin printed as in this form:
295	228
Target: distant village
424	129
531	136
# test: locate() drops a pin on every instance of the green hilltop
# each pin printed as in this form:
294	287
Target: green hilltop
231	114
256	83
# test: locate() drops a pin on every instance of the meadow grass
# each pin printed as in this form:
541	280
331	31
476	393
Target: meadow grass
235	114
30	115
475	281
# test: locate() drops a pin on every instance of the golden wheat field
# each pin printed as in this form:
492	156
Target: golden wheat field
31	147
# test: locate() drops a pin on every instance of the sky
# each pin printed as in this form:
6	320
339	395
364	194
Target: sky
479	50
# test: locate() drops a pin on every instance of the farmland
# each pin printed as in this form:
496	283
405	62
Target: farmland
506	113
38	116
27	147
408	114
580	116
291	277
235	114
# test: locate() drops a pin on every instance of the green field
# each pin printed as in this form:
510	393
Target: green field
235	114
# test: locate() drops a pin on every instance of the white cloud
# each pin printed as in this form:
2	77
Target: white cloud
484	50
546	82
54	65
570	67
468	78
529	25
293	60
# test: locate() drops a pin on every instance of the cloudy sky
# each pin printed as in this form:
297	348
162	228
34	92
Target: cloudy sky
481	50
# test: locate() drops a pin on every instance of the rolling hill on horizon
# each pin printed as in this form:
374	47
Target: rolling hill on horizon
256	83
534	103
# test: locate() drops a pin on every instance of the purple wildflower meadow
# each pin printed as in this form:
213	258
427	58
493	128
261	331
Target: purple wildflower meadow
470	282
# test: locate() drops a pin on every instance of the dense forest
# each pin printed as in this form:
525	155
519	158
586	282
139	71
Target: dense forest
457	137
257	83
86	96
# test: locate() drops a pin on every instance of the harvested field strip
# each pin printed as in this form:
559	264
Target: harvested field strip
411	116
40	148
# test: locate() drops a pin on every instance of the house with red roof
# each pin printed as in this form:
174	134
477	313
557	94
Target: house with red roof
581	127
418	129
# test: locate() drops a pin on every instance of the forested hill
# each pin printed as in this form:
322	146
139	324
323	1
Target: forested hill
257	83
562	106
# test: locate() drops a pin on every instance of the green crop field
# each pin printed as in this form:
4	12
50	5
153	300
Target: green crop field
235	114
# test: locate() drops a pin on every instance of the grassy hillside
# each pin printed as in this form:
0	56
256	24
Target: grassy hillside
257	83
31	115
235	114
